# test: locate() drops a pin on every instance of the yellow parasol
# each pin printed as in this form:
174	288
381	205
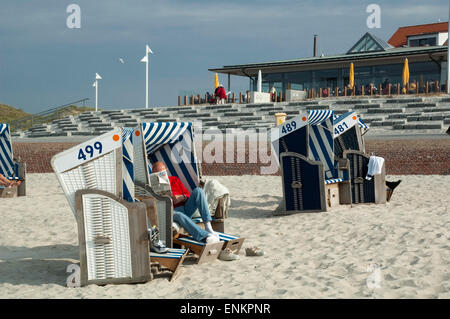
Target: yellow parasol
352	76
405	76
216	81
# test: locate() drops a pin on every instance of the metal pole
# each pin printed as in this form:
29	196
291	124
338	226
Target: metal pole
96	95
146	81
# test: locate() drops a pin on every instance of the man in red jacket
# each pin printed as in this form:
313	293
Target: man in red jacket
221	94
185	205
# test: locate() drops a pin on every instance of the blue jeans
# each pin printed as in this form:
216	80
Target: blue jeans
183	214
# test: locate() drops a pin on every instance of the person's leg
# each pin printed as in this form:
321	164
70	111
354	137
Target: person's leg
198	200
188	224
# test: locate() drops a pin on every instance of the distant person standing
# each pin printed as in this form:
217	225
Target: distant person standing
221	95
273	93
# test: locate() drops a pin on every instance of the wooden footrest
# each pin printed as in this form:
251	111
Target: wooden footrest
205	252
231	241
171	260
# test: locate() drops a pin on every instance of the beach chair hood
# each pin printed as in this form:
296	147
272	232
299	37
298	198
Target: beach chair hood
7	165
173	144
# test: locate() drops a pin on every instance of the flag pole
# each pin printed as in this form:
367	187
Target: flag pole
146	80
96	95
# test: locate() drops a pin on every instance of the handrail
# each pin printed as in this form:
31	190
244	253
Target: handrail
43	116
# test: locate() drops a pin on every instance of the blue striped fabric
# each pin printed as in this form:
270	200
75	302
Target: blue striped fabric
333	181
190	240
227	237
159	133
173	144
362	124
316	117
171	254
7	166
321	143
127	164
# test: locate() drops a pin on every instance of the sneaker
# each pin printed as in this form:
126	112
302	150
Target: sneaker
212	238
254	251
228	255
156	245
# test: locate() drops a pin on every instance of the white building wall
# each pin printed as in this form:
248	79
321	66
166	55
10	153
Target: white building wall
442	37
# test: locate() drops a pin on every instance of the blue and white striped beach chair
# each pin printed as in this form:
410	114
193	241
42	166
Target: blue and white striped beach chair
305	149
173	144
97	178
349	130
10	169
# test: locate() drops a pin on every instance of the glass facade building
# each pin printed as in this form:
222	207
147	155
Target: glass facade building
375	62
420	72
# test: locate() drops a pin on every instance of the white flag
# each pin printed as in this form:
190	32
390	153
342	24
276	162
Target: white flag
144	59
148	50
94	84
97	76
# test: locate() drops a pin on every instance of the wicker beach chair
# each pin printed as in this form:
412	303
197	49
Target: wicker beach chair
98	181
349	130
173	144
312	176
9	168
363	190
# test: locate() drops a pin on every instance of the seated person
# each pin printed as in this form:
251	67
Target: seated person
6	182
185	205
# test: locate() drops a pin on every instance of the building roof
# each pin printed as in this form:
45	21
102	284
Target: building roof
242	69
400	37
369	43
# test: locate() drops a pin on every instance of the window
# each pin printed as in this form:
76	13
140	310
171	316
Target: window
422	42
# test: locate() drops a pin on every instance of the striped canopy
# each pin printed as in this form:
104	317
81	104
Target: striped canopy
7	166
173	144
321	143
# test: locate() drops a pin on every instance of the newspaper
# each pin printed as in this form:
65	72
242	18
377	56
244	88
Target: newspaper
160	183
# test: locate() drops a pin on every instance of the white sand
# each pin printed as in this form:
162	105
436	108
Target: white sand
322	255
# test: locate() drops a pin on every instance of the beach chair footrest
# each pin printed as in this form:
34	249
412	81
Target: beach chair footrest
171	260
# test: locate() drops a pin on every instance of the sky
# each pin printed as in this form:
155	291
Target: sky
44	63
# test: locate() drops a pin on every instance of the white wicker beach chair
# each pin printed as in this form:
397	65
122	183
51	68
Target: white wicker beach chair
97	179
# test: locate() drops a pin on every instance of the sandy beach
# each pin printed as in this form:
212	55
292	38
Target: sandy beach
323	255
